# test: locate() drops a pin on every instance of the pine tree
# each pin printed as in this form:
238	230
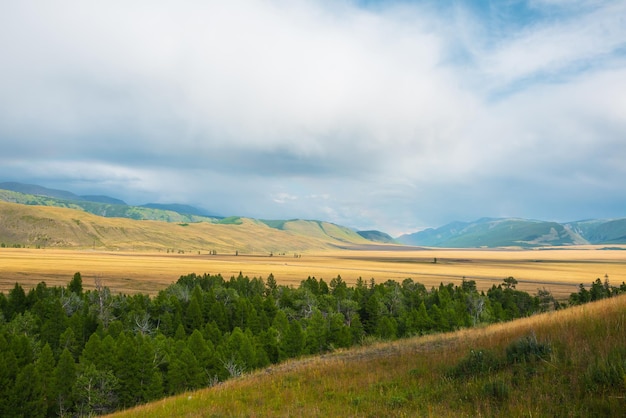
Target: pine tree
128	371
293	342
29	393
45	369
76	285
64	379
204	353
316	333
184	372
16	302
8	374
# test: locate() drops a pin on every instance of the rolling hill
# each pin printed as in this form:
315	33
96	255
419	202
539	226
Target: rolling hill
513	232
28	194
34	227
485	232
41	226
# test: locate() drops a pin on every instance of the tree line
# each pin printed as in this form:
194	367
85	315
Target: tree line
71	352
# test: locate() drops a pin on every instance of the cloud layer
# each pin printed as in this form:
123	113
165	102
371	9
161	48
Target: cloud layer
387	115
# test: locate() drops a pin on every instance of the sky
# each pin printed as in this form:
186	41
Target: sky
387	115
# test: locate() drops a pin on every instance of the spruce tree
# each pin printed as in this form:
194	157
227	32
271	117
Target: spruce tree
64	379
29	394
45	369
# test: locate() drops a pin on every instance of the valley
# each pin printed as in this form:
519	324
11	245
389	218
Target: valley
558	270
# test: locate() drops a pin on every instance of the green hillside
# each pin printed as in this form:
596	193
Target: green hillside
597	231
377	236
511	232
108	210
565	363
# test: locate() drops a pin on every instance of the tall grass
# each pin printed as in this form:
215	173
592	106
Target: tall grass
565	363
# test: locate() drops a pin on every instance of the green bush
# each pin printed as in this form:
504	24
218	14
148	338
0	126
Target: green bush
477	362
527	349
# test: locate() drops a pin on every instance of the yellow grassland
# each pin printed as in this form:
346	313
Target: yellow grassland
133	256
54	227
558	270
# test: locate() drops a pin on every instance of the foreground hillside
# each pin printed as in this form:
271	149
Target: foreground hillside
565	363
43	226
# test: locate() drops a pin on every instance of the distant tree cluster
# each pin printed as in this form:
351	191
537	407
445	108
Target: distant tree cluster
67	352
598	290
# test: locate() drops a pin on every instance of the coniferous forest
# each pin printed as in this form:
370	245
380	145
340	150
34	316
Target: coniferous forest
71	352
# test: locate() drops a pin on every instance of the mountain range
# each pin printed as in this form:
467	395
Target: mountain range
55	218
485	232
514	232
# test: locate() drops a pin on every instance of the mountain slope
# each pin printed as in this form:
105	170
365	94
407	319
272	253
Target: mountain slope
36	190
489	232
598	231
40	226
377	236
101	206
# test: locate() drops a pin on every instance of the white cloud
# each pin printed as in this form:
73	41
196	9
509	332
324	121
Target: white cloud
556	47
385	116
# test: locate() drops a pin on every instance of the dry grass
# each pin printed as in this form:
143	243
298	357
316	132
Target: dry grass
560	271
53	227
410	377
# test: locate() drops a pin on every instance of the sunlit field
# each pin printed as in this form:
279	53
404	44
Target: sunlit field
558	270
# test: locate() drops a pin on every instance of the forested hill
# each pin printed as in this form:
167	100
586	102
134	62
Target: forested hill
513	232
70	352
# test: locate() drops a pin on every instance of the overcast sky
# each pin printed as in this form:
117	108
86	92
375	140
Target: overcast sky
389	115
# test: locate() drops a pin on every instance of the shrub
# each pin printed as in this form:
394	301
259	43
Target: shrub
527	349
476	362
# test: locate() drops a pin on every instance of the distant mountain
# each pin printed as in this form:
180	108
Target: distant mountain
52	227
513	232
103	199
377	236
36	190
98	205
597	231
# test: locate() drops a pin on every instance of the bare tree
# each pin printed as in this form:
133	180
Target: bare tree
234	369
475	306
103	302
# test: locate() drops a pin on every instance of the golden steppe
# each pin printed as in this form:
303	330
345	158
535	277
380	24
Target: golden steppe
559	270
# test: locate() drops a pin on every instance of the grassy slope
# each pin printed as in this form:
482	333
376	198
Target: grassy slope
64	227
101	208
584	375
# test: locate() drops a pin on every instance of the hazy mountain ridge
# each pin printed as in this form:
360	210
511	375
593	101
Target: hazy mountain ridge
29	194
105	206
36	190
484	232
515	232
